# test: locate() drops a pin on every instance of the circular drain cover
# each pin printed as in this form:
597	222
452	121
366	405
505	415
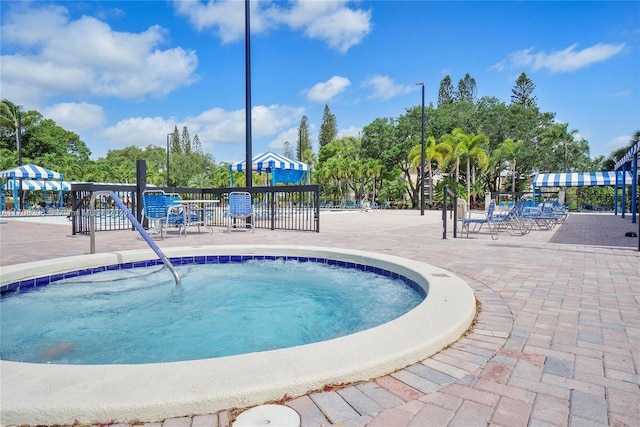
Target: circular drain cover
268	415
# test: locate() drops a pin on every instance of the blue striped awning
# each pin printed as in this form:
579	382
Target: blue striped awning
40	185
579	179
267	162
633	151
30	171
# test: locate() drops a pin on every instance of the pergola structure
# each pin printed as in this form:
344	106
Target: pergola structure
629	163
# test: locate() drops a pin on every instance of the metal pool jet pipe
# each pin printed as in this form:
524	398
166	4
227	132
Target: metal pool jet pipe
136	224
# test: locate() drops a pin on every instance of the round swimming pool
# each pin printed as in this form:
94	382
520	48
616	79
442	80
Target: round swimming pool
64	394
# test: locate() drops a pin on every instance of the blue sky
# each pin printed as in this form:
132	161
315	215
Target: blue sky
123	73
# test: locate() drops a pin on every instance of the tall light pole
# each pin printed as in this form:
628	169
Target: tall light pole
168	140
19	140
422	156
247	84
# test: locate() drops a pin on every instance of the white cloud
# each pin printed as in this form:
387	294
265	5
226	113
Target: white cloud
333	22
330	21
86	56
138	131
562	61
619	142
214	126
226	18
290	135
385	88
350	131
26	27
324	91
76	116
219	126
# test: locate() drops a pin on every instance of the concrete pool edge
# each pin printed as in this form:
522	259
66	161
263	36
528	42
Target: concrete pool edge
61	394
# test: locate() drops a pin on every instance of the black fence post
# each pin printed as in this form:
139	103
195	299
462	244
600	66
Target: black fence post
141	186
444	213
455	216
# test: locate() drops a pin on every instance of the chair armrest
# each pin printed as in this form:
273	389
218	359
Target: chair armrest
532	211
475	215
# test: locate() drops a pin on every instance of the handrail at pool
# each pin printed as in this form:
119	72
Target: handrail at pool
134	222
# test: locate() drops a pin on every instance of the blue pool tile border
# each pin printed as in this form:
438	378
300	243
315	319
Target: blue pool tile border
27	285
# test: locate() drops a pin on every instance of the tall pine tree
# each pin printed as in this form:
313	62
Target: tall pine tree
287	150
328	128
196	146
522	91
304	139
446	93
185	141
467	90
175	145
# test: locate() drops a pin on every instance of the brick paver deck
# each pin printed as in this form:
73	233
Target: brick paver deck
557	339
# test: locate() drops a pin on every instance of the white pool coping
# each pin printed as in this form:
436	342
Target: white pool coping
46	394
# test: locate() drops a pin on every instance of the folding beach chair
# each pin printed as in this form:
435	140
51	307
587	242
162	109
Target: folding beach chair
162	212
240	210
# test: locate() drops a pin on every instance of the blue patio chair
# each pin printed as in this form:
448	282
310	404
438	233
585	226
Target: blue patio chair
193	215
240	208
162	212
475	220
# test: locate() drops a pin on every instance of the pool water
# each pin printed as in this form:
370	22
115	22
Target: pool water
141	316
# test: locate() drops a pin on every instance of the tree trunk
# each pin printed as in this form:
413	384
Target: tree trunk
468	182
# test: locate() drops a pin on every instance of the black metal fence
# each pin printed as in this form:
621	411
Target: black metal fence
294	207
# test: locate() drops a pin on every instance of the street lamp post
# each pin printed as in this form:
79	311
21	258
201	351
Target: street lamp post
168	139
422	156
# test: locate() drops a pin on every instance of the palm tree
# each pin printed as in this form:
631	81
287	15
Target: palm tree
559	133
508	150
470	147
337	168
451	145
432	153
10	117
414	157
374	168
200	180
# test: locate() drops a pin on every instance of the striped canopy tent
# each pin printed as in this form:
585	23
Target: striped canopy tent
576	179
30	172
281	168
39	185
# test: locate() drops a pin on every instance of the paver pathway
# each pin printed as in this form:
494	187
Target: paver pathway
557	341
